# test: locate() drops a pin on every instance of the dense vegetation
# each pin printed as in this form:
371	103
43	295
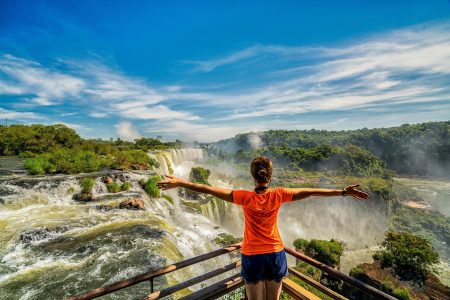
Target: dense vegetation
59	149
349	159
199	175
327	252
422	149
412	257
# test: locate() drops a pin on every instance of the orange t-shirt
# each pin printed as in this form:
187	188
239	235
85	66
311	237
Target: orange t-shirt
260	212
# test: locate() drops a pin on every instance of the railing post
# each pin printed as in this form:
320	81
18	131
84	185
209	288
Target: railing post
151	285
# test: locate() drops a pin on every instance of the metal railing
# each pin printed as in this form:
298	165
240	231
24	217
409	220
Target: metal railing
233	282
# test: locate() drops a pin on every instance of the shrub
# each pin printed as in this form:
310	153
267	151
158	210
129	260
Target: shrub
113	187
412	257
401	293
67	161
327	252
87	184
133	159
125	186
150	187
26	154
199	175
301	244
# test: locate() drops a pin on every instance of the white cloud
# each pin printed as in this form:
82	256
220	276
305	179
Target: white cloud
28	77
98	115
19	116
127	131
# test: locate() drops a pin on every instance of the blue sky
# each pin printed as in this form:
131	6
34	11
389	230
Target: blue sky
206	70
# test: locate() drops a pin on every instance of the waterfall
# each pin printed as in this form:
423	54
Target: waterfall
52	246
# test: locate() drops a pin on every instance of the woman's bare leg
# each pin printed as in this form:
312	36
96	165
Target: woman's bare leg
255	291
273	289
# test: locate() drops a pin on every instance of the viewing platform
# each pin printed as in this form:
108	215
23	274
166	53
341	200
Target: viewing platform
234	281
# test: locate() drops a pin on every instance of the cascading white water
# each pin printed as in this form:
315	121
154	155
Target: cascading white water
53	247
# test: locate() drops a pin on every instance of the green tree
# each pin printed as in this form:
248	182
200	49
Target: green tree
412	257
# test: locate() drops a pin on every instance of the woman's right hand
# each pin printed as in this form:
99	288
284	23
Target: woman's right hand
169	183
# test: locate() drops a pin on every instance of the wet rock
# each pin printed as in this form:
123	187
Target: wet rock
133	204
38	234
105	207
137	204
108	179
84	197
122	177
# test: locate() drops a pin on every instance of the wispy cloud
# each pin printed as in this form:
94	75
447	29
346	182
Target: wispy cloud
103	90
19	115
408	68
45	86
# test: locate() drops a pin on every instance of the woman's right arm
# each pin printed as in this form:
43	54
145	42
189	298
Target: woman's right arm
173	182
302	193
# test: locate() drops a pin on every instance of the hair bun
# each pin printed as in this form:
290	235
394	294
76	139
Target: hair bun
262	173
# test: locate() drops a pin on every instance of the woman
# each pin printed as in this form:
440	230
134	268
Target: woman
263	258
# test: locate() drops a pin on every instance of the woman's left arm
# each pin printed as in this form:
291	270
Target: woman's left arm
173	182
302	193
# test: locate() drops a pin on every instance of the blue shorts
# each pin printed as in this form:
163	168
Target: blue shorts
269	266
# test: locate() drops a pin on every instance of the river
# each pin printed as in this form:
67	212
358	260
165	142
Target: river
52	246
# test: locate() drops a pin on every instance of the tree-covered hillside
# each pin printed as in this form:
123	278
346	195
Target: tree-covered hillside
419	149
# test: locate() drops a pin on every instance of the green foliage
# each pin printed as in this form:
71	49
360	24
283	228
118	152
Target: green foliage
39	165
226	239
349	159
401	293
87	184
67	161
421	149
113	187
301	244
357	272
133	159
125	186
16	139
26	154
150	187
199	175
327	252
427	224
168	198
71	190
411	256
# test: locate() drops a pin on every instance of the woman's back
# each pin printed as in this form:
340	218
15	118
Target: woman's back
260	212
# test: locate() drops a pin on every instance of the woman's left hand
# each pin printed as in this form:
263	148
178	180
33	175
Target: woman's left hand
352	191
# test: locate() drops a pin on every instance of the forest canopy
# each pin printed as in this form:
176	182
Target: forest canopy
418	149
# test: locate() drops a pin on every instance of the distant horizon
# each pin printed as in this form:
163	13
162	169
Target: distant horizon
231	137
207	71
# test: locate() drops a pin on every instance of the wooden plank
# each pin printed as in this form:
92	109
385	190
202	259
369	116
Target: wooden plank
192	281
296	291
152	274
217	289
339	275
316	285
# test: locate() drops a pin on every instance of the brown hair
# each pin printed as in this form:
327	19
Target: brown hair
261	169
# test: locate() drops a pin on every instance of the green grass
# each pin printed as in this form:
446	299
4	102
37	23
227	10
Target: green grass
125	186
113	187
87	184
150	187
